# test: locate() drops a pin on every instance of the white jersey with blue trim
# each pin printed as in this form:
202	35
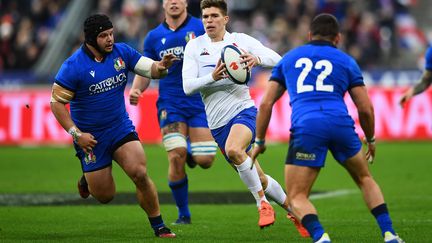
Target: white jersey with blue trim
223	99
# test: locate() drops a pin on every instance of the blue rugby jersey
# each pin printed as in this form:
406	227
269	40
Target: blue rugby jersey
98	86
317	76
428	59
163	40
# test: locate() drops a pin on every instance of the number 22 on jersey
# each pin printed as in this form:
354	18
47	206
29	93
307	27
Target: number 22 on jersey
307	65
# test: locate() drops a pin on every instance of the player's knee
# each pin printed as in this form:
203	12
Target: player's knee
105	199
204	162
364	181
175	140
204	153
234	152
104	196
140	176
177	156
296	202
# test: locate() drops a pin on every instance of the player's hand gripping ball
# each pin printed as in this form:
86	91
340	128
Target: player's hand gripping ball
238	73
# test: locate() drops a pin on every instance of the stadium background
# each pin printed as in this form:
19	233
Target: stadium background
37	167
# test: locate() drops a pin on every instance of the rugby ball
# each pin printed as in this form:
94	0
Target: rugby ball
230	55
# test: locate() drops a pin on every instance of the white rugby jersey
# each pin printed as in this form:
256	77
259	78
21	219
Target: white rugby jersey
223	99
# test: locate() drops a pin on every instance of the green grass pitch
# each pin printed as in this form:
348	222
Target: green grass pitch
401	168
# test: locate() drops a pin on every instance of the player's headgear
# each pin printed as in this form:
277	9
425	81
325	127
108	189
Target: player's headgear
325	25
94	25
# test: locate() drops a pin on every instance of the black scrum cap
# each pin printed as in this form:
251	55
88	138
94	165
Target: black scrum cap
94	25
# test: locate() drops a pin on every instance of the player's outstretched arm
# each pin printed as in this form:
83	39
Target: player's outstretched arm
149	68
273	93
425	82
366	116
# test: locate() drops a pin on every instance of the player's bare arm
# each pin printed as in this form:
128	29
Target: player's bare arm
59	98
139	85
149	68
366	116
425	82
272	94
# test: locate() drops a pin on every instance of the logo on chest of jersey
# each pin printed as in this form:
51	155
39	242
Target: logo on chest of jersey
189	36
204	52
108	84
178	51
119	64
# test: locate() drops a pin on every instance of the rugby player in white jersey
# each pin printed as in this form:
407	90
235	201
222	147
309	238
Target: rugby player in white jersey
231	112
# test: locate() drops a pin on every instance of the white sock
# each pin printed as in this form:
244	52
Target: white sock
274	191
250	177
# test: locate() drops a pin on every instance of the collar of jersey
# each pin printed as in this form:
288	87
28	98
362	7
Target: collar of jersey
321	43
226	36
183	24
90	54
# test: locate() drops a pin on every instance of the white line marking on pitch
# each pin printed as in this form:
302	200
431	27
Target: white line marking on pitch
330	194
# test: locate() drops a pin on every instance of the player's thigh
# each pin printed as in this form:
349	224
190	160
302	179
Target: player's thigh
131	158
300	179
240	136
199	134
100	180
175	127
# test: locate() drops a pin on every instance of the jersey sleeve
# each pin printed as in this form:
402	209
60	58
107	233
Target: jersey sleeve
428	59
191	82
355	75
148	48
268	57
277	74
131	56
67	76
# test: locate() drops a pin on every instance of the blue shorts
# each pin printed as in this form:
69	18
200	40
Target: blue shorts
310	142
178	111
108	141
246	117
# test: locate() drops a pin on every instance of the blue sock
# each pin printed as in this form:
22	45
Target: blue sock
383	218
156	222
189	148
179	190
313	226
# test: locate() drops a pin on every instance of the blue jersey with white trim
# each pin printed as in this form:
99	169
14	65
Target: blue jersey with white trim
428	59
98	86
163	40
317	76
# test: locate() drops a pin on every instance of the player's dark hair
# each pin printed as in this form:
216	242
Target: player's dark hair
324	25
220	4
94	25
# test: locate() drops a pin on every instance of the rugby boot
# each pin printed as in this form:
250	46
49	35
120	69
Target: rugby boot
325	238
302	230
266	215
83	187
164	232
182	220
391	238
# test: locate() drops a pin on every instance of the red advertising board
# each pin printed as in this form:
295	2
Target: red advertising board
25	117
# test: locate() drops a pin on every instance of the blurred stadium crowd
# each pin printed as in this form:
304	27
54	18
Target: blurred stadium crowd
378	33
